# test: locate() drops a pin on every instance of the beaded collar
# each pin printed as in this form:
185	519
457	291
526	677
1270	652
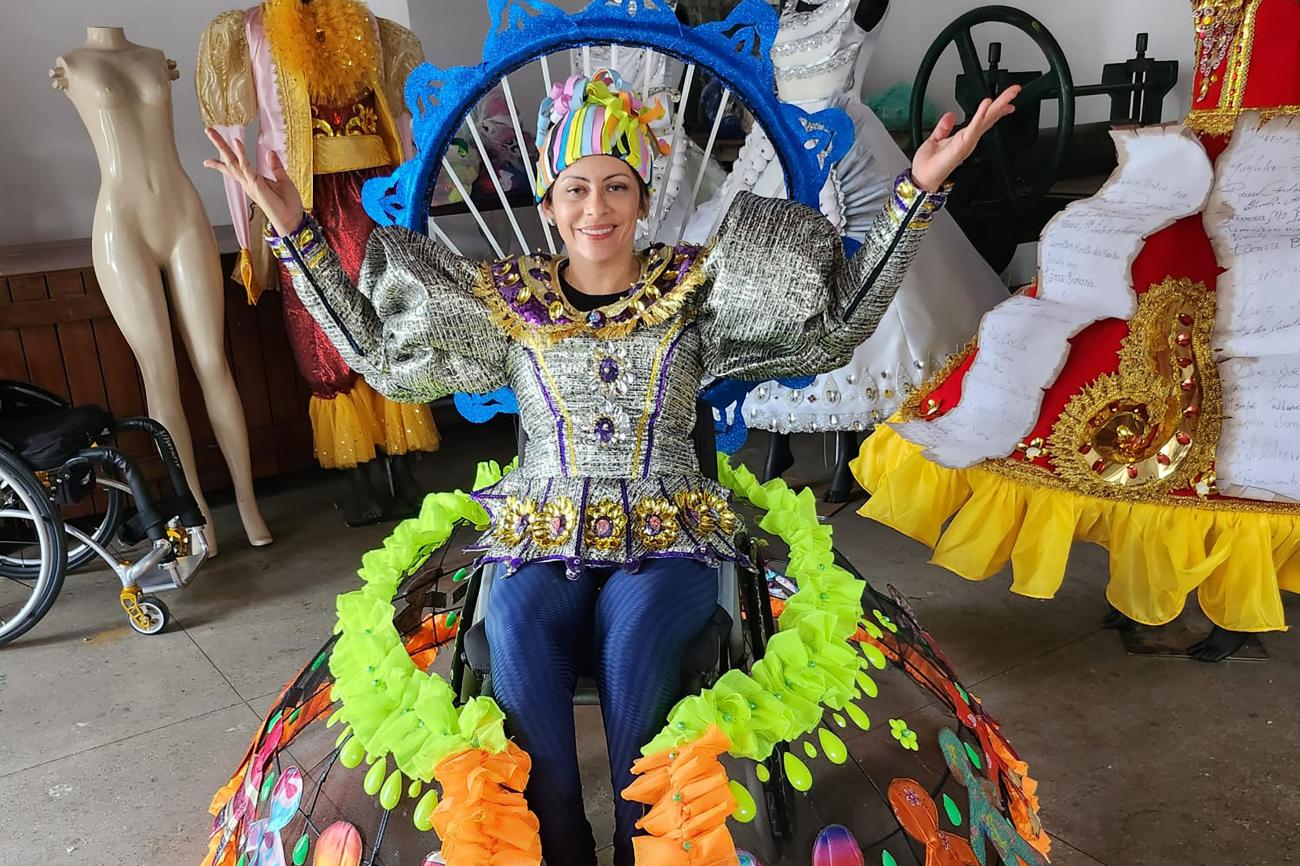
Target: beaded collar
524	296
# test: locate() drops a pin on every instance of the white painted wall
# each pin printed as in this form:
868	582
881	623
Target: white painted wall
49	178
1091	33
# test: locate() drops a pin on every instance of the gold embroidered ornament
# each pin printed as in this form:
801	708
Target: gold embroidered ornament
515	522
606	526
707	512
1151	426
554	524
655	523
1217	23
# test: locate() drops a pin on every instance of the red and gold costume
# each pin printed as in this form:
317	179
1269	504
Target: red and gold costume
1123	449
324	81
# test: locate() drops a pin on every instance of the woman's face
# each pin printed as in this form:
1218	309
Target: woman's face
595	204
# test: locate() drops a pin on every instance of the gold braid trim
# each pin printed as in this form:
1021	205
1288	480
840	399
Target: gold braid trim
1152	426
913	406
1033	475
658	310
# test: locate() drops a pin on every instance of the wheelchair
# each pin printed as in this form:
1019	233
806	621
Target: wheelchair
54	455
734	637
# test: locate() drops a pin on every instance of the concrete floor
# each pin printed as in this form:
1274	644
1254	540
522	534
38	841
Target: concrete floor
113	743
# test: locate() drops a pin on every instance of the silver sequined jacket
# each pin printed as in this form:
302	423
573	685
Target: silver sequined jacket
607	398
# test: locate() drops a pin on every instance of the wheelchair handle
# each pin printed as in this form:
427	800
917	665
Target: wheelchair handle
188	508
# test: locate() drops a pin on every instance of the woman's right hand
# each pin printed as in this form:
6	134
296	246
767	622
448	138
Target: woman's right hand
276	196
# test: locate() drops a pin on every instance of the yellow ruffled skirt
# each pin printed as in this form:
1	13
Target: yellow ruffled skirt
349	429
1238	556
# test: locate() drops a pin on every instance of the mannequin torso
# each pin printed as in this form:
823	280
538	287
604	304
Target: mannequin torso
149	219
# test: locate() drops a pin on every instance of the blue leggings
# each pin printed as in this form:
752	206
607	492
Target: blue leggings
540	626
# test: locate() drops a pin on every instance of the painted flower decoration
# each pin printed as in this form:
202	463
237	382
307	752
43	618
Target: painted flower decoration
606	526
609	368
906	736
555	523
610	425
655	523
515	522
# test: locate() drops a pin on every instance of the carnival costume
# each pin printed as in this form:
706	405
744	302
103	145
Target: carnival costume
1134	443
608	532
821	57
324	82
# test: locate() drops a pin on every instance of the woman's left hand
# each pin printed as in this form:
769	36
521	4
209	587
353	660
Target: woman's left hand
942	152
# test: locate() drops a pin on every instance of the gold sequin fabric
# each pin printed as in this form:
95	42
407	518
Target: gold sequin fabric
608	400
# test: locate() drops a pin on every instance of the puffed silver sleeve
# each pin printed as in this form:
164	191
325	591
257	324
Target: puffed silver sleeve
412	325
782	297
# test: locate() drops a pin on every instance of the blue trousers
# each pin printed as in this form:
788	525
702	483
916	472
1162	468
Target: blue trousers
542	628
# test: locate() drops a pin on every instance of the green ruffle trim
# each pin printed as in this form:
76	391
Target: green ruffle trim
390	706
809	664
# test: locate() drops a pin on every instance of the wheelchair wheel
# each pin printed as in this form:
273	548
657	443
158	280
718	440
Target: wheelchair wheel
33	550
157	613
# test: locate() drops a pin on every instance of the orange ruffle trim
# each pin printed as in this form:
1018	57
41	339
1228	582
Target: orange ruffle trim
690	801
483	819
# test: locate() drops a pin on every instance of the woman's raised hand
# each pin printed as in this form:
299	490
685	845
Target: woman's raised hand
276	196
943	151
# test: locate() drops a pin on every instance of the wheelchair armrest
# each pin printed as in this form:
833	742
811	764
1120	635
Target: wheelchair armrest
26	394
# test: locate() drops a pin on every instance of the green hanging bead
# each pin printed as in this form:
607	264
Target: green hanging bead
859	716
809	749
320	660
745	806
342	737
375	777
293	717
267	784
839	720
450	620
974	756
270	723
335	718
887	859
459	575
416	787
797	772
874	655
352	753
391	792
242	861
832	746
300	851
867	684
954	814
763	774
423	815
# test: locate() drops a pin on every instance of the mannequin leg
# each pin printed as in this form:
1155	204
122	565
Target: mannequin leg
779	456
132	285
846	448
196	283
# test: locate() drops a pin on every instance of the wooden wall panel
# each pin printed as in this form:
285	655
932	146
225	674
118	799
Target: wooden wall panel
56	332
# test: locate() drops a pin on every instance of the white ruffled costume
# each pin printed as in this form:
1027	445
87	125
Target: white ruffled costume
820	58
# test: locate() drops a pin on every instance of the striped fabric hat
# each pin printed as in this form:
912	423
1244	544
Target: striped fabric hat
591	116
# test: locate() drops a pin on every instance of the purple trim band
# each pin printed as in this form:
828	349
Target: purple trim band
550	404
665	371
